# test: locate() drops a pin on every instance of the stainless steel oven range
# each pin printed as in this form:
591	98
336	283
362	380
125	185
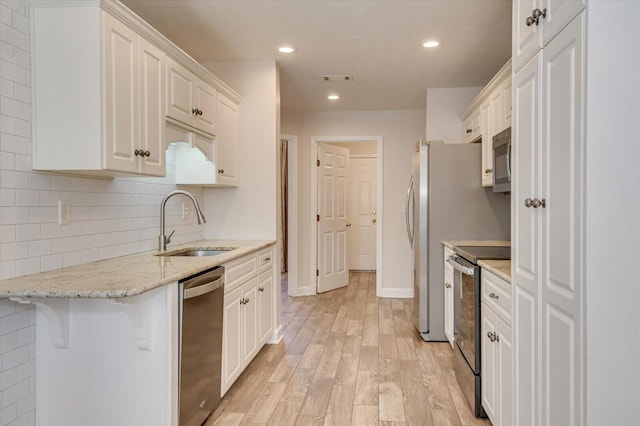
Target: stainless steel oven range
467	318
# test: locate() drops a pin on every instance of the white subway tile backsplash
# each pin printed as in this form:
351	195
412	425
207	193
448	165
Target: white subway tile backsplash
39	248
7	197
8	414
15	357
27	232
15	215
27	197
13	179
43	214
7	161
7	269
28	266
7	233
39	181
49	263
26	405
15	322
71	259
15	393
8	342
8	378
50	230
12	36
13	251
25	336
7	307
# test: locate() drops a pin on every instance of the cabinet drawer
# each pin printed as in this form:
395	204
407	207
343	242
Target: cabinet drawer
497	295
239	271
265	260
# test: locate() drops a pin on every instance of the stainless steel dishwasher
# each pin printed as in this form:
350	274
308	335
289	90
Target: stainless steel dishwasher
201	305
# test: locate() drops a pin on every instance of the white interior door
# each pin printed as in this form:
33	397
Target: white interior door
333	170
362	214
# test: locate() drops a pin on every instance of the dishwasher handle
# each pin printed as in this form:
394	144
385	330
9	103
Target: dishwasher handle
203	289
460	264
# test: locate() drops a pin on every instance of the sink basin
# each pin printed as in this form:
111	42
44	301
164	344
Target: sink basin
197	252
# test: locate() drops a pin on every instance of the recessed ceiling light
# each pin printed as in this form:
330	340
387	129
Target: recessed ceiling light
333	97
431	43
286	49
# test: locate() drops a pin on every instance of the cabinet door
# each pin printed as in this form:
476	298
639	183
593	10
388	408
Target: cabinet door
559	14
487	154
561	222
152	123
525	240
265	306
506	104
205	101
489	362
179	92
250	319
232	338
120	70
448	297
226	141
504	362
525	39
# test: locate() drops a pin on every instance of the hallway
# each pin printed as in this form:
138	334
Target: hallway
347	357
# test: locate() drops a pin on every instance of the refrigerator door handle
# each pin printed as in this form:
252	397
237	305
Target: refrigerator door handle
406	211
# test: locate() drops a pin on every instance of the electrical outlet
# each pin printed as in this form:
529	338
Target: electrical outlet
64	212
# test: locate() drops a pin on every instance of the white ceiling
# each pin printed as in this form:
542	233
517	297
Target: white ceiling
378	42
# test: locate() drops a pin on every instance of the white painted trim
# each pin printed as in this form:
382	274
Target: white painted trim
311	221
303	291
292	222
276	337
397	293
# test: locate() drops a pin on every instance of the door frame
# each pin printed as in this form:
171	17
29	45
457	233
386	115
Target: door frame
312	223
292	218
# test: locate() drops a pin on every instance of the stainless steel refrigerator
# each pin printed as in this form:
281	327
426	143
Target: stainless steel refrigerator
445	201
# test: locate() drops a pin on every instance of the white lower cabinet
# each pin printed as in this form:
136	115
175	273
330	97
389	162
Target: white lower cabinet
249	309
496	349
448	297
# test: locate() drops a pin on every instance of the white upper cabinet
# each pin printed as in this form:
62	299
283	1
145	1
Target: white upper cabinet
97	97
219	168
101	104
487	115
226	142
536	22
190	100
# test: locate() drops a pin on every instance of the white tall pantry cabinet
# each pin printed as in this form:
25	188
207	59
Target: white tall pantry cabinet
548	213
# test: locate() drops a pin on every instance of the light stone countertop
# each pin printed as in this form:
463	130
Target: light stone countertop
486	243
127	275
500	268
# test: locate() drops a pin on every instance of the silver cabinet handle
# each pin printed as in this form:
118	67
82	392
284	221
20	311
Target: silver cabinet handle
447	285
536	14
220	171
469	131
493	336
266	259
494	296
488	170
528	202
539	203
260	288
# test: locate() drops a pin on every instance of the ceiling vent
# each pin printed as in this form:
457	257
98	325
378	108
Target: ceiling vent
337	77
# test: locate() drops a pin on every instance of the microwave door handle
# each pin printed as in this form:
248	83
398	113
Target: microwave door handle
509	160
459	264
406	210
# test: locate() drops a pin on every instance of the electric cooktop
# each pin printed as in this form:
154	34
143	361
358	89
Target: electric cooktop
475	253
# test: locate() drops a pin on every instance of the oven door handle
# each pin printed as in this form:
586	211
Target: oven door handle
460	264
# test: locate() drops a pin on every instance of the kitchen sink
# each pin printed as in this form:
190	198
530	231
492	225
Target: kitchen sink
199	252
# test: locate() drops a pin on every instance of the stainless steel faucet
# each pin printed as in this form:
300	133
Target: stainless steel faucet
163	240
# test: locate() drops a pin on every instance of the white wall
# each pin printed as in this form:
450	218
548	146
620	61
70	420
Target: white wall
444	107
400	130
249	211
613	206
109	217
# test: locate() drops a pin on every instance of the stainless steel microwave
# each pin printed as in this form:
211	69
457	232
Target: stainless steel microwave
502	161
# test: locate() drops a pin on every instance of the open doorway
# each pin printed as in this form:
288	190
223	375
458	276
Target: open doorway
288	234
363	224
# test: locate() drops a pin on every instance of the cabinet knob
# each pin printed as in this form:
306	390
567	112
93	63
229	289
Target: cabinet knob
138	152
536	14
529	21
266	259
220	171
487	171
469	131
147	154
538	203
194	111
260	288
528	202
494	296
447	285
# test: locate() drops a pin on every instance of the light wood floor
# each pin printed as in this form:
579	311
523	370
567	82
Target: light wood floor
347	358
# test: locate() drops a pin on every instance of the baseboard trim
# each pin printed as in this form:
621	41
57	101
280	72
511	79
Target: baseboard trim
276	337
303	291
